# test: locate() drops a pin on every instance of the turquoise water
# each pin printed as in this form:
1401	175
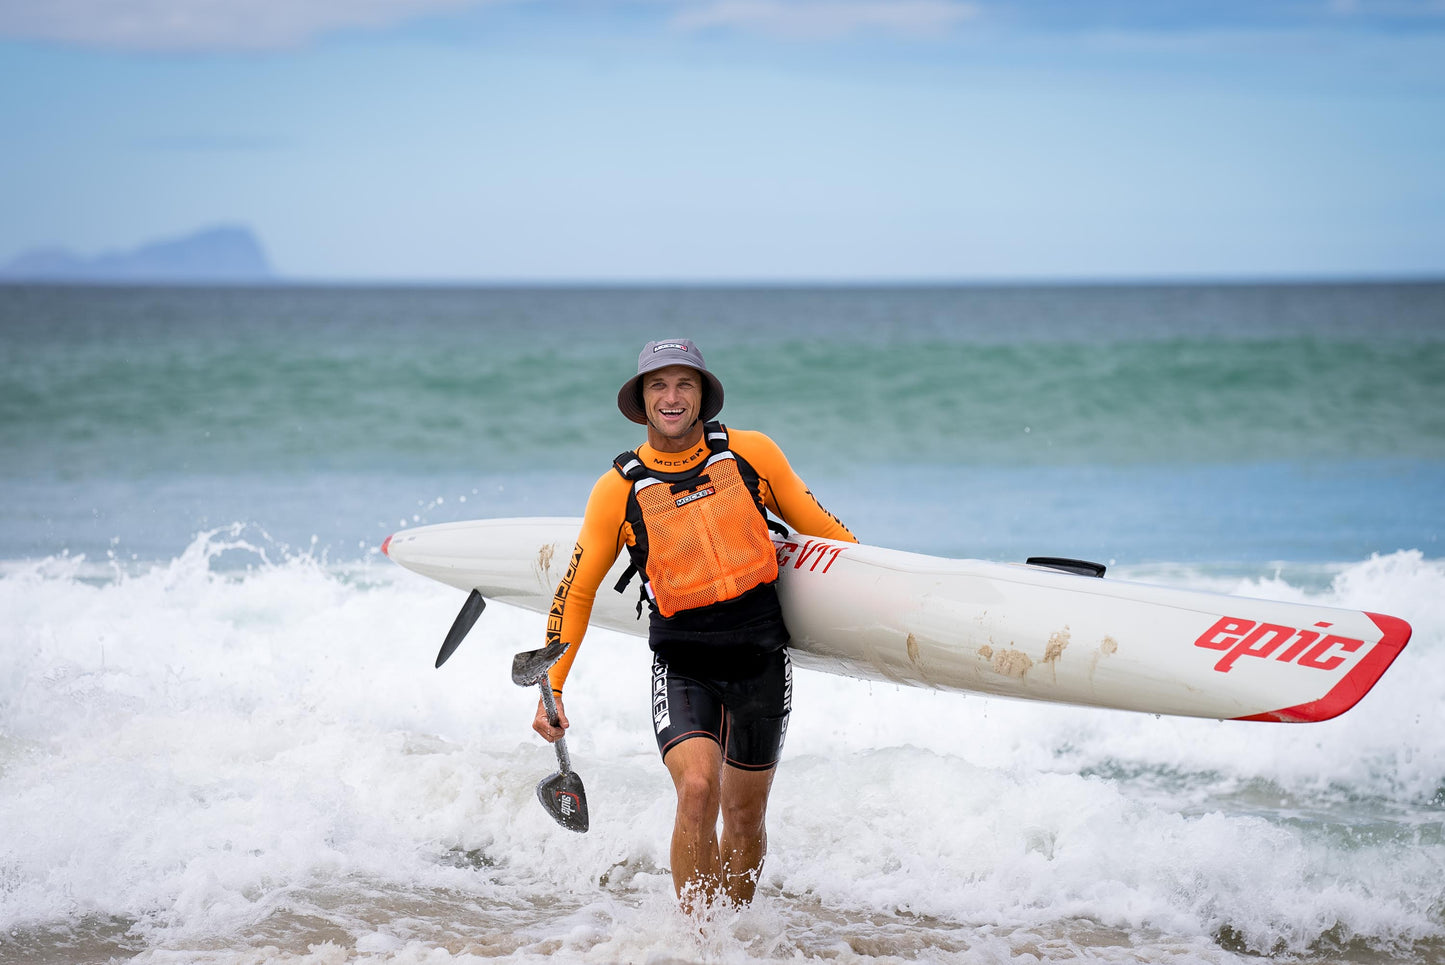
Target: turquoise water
1149	423
222	739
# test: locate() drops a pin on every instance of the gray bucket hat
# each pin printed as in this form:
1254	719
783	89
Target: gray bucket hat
659	355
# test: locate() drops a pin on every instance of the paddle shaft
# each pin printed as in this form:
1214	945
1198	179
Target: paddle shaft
563	760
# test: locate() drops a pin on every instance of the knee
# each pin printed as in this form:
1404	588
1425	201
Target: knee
745	816
697	798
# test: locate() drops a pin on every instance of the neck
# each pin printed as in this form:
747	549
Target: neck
683	443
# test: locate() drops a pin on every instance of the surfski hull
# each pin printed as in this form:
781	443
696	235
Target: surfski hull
1002	629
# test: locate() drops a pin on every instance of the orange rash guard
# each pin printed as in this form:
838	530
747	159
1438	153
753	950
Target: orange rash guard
605	530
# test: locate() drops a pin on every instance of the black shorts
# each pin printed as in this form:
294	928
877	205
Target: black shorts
747	717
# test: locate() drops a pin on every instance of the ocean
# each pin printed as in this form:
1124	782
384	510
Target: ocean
222	739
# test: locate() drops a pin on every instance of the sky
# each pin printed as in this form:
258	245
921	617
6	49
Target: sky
628	141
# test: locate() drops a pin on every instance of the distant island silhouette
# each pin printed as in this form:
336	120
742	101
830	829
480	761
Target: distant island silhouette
226	253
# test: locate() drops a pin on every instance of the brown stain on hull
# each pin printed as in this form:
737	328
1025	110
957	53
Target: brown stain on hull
1058	642
542	566
1011	663
1107	647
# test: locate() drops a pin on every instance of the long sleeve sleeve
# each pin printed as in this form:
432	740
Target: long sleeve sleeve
783	491
604	532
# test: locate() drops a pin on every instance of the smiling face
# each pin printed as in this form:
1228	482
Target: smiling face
672	399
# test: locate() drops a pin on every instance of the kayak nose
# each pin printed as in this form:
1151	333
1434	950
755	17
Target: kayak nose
386	546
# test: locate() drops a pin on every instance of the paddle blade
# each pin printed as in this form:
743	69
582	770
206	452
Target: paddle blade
563	797
529	666
470	611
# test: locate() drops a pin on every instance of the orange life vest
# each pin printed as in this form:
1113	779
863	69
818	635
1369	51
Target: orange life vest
701	536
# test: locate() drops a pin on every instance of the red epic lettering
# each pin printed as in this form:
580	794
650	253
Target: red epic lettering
1315	656
1245	638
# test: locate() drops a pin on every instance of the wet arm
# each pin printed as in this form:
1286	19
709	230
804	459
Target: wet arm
784	492
597	547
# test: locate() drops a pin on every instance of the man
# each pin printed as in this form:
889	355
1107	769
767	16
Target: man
690	505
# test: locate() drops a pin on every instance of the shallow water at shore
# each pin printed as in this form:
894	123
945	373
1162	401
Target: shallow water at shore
203	764
227	744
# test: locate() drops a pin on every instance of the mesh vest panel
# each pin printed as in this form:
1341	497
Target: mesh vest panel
705	545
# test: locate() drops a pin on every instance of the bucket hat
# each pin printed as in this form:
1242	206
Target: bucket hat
658	355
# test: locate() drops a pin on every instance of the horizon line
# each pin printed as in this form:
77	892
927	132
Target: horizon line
1012	281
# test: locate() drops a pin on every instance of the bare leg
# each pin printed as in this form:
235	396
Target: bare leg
696	769
745	833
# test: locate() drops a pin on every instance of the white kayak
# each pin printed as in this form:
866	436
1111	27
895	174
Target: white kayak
1006	629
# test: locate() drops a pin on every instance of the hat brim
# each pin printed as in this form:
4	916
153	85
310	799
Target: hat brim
629	397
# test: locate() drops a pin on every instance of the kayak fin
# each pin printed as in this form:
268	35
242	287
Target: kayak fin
470	611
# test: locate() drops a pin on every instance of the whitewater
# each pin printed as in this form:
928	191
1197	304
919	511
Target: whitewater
222	739
244	754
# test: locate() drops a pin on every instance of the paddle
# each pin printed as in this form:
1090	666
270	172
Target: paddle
561	793
470	611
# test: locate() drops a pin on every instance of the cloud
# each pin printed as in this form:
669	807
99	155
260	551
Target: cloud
166	25
826	19
221	25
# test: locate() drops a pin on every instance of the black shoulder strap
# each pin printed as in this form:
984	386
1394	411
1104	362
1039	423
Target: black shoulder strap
715	434
629	465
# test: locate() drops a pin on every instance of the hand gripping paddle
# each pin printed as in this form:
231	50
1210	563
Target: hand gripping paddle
561	793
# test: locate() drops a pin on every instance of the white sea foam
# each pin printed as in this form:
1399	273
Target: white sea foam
231	758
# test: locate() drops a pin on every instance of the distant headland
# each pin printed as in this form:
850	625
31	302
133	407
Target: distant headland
225	253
